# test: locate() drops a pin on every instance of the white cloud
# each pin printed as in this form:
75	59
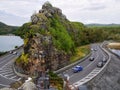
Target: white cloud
86	11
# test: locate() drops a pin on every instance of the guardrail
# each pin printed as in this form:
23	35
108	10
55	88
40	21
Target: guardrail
14	67
19	74
71	65
94	73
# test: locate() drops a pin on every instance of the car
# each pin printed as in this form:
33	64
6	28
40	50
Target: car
100	64
14	53
92	49
11	52
82	87
77	69
104	60
91	58
95	49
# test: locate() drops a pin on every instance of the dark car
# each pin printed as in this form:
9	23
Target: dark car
82	87
77	69
104	60
95	49
91	58
100	64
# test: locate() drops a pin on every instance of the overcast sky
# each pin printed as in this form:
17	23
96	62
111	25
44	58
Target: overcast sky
17	12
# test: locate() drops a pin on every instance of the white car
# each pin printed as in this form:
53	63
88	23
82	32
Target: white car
15	53
11	52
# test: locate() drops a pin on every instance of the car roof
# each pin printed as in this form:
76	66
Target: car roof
77	66
100	62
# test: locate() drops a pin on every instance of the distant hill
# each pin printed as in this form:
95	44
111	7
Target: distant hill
102	25
6	29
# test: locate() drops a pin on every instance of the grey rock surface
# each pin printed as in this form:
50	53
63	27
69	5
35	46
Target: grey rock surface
28	86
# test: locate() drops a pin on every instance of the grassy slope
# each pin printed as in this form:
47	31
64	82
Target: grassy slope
81	52
5	29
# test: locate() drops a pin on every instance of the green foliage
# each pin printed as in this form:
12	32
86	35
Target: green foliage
16	47
24	30
67	35
81	52
26	41
2	53
61	39
5	29
23	59
56	80
105	33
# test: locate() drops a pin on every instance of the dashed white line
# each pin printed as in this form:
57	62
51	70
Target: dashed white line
87	65
7	72
9	75
5	85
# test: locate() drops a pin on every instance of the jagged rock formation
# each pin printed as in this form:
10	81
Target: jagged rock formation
49	40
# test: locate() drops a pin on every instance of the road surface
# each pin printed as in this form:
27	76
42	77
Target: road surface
88	66
7	75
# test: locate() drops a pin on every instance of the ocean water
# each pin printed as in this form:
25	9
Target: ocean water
8	43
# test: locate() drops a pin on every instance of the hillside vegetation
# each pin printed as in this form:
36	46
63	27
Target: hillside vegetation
50	39
5	29
102	25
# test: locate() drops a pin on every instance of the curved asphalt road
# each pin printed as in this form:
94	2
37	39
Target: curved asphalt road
7	75
87	65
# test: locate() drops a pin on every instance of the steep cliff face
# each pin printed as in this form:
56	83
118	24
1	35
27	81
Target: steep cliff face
49	40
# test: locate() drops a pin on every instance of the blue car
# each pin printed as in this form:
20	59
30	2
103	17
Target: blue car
77	69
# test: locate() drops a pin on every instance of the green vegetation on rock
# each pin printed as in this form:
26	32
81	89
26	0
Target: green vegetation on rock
50	35
56	81
81	52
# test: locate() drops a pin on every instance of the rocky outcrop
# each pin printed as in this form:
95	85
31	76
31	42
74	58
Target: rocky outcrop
28	86
49	40
110	80
42	51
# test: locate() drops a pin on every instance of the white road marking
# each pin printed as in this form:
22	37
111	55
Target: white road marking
7	72
86	66
6	77
9	75
9	62
5	85
13	77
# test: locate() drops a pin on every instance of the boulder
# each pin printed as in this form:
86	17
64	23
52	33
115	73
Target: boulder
47	5
34	19
29	86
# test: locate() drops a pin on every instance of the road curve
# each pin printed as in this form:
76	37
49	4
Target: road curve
7	75
88	66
